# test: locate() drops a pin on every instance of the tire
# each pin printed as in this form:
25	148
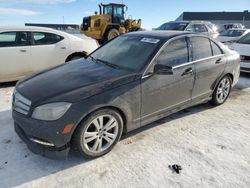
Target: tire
93	140
222	91
111	34
136	29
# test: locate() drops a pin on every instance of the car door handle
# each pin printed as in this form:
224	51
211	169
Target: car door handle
63	48
187	71
23	50
218	61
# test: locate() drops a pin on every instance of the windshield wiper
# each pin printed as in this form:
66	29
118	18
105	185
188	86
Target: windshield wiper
93	59
108	63
104	62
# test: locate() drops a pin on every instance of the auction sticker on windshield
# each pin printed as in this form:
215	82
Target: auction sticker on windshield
150	40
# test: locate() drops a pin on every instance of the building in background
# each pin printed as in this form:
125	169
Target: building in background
69	28
218	18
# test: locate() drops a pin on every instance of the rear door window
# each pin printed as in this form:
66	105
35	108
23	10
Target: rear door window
16	38
215	48
200	28
201	48
42	38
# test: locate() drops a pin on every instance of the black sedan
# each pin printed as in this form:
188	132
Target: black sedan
135	79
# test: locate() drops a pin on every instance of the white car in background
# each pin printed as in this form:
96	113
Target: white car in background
25	50
232	35
224	27
242	46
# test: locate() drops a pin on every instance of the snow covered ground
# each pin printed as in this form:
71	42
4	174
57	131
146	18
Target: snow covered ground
211	144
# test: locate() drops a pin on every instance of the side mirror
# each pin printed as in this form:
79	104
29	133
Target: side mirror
163	69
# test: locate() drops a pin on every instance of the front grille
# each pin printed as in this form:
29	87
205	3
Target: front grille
245	58
20	103
86	23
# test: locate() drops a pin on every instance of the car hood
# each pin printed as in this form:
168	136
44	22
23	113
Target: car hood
80	77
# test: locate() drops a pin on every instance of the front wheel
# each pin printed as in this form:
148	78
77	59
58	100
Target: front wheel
111	34
98	134
222	91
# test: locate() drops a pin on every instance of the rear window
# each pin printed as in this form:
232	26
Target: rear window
232	33
177	26
198	28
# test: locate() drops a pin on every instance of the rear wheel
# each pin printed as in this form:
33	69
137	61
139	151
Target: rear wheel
112	33
98	134
222	91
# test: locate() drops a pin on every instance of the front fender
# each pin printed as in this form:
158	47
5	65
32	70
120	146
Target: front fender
126	98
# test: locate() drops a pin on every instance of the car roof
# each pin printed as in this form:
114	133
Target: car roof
238	29
232	23
31	28
38	29
191	21
163	35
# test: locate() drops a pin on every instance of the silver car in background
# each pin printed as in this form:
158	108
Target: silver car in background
232	35
202	27
224	27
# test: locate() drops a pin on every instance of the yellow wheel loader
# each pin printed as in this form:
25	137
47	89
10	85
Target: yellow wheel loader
109	23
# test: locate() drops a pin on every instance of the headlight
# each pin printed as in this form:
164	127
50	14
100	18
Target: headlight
50	112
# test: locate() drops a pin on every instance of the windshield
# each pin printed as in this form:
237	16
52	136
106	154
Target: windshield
115	9
232	33
245	39
178	26
107	9
127	52
118	11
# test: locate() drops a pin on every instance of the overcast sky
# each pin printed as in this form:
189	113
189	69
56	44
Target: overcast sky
152	12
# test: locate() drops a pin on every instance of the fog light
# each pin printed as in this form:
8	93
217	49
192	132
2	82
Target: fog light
41	142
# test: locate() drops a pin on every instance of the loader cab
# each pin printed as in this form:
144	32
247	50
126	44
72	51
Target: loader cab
116	10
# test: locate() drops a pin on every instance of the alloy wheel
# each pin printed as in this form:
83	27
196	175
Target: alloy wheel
101	133
223	90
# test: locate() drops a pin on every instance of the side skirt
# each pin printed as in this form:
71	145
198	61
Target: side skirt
163	115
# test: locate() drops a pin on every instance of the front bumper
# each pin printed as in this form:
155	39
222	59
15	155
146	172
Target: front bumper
46	151
50	132
245	66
